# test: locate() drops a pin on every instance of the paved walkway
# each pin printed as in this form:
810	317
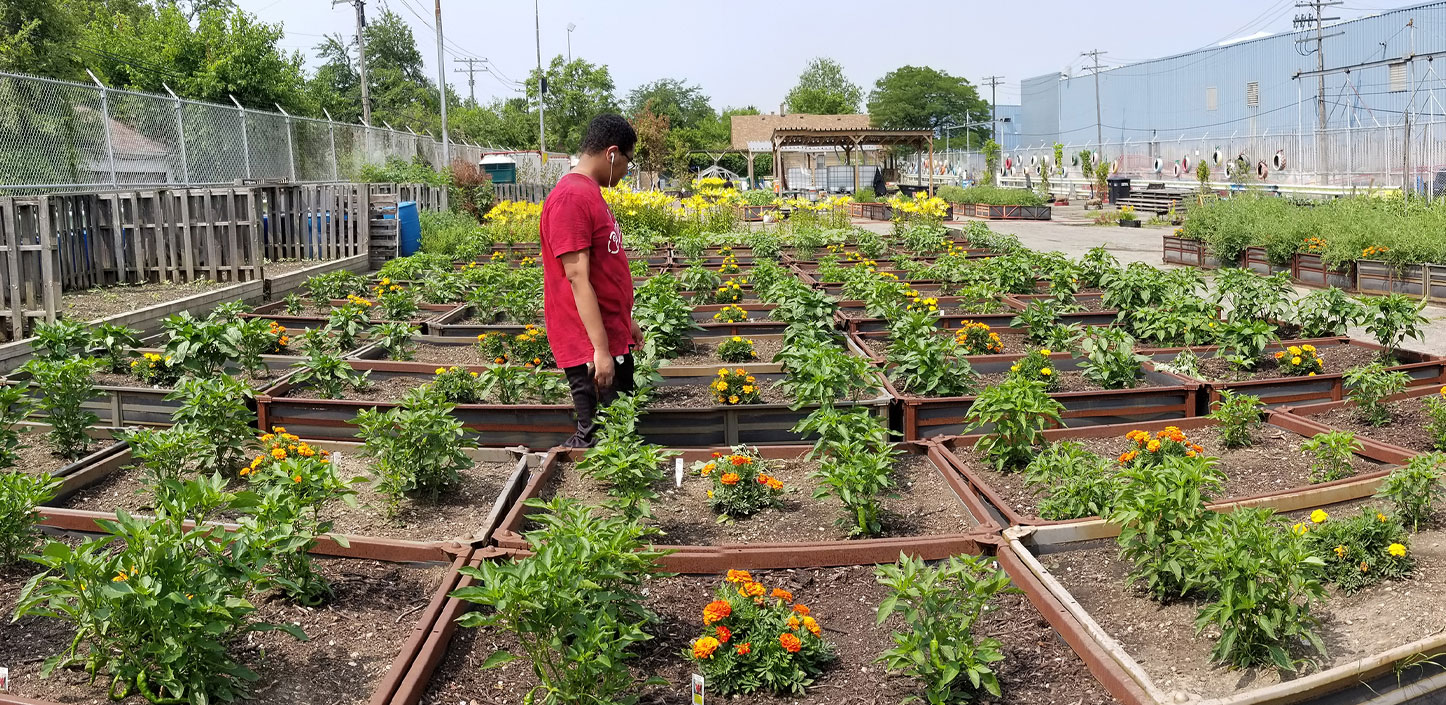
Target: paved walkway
1073	233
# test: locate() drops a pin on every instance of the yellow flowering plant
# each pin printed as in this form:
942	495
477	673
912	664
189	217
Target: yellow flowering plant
1037	366
758	639
1436	423
157	370
737	349
741	486
514	221
734	387
1373	538
731	292
732	313
976	338
1299	361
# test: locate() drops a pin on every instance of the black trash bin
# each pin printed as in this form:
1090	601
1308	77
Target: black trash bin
1119	188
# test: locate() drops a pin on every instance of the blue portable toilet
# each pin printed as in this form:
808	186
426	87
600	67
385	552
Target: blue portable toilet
409	228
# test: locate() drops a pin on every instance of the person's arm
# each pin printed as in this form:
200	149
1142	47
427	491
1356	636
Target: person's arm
575	266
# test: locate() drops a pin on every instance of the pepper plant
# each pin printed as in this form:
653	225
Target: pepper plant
328	374
1392	320
1243	341
216	408
924	362
858	474
63	387
20	494
1107	358
116	343
417	447
1327	312
1014	414
1333	453
348	321
246	340
627	466
167	455
1415	487
1369	386
1238	415
1160	508
1076	482
59	340
395	339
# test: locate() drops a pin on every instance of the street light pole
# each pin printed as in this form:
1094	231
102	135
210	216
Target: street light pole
442	88
570	27
541	85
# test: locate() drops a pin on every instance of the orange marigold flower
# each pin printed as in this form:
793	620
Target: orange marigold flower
782	594
739	576
704	648
729	478
1153	447
724	634
790	643
775	484
716	611
752	590
743	648
793	622
278	453
740	460
811	625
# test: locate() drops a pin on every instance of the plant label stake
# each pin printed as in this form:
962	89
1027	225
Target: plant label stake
5	682
697	689
678	472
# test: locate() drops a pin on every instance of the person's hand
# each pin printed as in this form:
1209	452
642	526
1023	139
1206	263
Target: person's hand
602	369
637	333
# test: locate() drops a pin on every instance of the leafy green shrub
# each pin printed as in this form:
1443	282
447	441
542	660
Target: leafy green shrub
322	288
822	374
940	605
1414	488
1369	386
1327	312
665	316
857	473
116	343
1245	295
1238	415
925	362
1159	509
1079	483
575	606
395	339
61	339
1361	551
216	408
1333	453
416	447
626	466
62	387
348	321
328	374
1016	412
15	407
1392	320
167	455
1264	581
993	196
1108	358
20	494
835	427
1243	342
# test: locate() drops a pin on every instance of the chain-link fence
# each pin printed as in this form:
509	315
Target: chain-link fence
61	136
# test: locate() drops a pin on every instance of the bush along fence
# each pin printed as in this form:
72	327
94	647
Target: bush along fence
52	244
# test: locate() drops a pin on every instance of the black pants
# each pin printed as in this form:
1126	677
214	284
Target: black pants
587	398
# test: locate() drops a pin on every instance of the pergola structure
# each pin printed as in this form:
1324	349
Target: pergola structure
850	139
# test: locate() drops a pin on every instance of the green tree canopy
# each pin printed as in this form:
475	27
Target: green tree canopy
577	91
919	97
685	106
401	93
823	89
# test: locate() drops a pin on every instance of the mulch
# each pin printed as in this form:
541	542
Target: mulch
1335	359
1407	429
94	304
707	353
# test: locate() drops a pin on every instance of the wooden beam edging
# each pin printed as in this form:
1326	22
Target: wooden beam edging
283	284
1081	624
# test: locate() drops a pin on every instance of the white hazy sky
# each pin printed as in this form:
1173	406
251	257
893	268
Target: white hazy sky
750	52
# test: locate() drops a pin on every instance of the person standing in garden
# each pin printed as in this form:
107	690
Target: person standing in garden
587	286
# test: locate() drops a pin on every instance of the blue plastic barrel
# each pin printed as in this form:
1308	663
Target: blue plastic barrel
409	226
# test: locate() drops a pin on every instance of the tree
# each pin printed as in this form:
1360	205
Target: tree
508	123
653	137
685	106
401	93
37	36
916	98
824	90
577	91
991	162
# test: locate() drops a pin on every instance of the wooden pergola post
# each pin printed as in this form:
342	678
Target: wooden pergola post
751	182
931	165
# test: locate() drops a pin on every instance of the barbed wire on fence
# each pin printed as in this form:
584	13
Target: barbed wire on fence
61	135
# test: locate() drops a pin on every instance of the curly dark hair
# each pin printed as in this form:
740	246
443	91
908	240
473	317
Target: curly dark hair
609	130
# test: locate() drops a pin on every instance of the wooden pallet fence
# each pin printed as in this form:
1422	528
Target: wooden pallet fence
312	221
29	266
383	235
532	193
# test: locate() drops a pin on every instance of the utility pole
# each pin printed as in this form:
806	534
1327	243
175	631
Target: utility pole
993	82
361	55
1099	121
442	88
471	72
541	87
1305	21
570	27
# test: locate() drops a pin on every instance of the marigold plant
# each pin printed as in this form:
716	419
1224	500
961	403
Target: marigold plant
1149	451
1362	550
977	339
734	387
741	486
757	639
492	347
737	349
731	313
156	369
1299	361
1037	366
1436	423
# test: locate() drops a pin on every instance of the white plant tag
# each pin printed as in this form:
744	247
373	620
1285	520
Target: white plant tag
697	689
678	472
5	679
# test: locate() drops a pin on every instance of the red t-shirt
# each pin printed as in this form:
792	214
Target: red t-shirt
575	217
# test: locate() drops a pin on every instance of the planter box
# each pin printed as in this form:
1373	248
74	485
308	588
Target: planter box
1396	674
1173	397
1305	416
719	558
1128	223
542	426
1180	250
1423	369
871	211
276	311
987	501
282	284
754	214
949	321
983	210
1084	318
1308	269
1377	277
1256	261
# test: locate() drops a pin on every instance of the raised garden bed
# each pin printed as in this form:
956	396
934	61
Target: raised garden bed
992	212
1405	436
1378	277
922	516
948	321
871	211
693	421
754	214
1272	472
1276	390
875	343
853	313
1256	260
314	316
1092	310
1310	270
1181	250
464	322
1159	396
1372	650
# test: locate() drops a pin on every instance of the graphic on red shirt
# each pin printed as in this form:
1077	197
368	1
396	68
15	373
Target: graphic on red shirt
575	217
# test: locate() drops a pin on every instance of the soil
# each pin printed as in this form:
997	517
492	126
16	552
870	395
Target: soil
1274	462
1406	430
459	512
447	355
38	457
1038	668
386	389
310	310
1014	344
492	320
1162	639
1069	381
261	380
284	267
707	354
1335	359
353	638
925	505
699	396
101	302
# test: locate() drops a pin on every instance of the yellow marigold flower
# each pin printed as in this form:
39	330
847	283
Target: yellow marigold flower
1380	517
737	339
278	453
749	379
704	648
1295	360
120	577
733	400
1045	352
266	437
1294	350
793	622
1319	516
1308	348
1300	529
748	389
1312	374
441	370
1340	551
1046	372
1396	550
296	479
1153	446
